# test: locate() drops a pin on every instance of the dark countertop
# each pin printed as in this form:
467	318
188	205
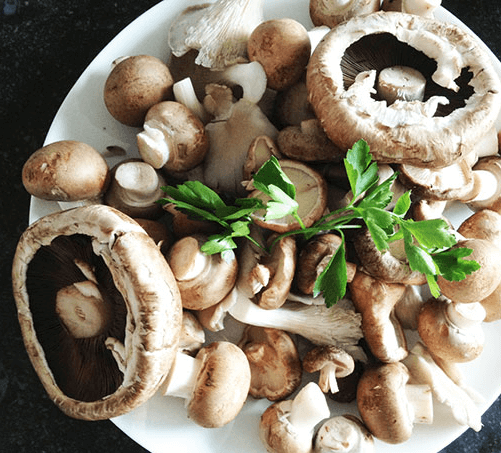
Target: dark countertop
44	46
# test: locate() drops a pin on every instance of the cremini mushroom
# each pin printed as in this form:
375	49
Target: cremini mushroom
215	383
332	363
283	48
203	280
135	187
343	434
408	307
135	84
260	150
288	426
425	8
173	137
461	98
332	12
390	405
311	196
99	310
66	170
274	362
158	231
487	179
375	299
192	335
218	31
292	106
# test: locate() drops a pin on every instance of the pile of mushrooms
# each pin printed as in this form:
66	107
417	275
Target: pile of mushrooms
115	296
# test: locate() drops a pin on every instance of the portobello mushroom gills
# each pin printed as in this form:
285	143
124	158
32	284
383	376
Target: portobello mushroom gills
83	368
379	51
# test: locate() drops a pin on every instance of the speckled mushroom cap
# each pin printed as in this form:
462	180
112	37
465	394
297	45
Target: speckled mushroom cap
461	102
152	307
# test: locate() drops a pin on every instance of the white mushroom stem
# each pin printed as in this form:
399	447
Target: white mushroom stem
419	403
307	409
401	83
251	77
82	309
465	315
191	263
184	92
327	380
424	370
182	377
487	186
423	8
155	144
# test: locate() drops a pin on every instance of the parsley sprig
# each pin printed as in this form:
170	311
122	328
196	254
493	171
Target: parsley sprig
427	243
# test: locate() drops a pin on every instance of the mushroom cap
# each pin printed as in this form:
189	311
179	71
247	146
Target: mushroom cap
152	318
321	356
274	362
222	385
404	131
382	402
481	283
66	170
134	85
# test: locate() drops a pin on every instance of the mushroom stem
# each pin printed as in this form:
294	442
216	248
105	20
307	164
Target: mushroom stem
183	377
401	83
82	309
308	408
420	403
465	315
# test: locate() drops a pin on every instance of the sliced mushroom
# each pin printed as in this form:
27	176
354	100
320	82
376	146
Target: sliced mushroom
274	362
119	272
462	99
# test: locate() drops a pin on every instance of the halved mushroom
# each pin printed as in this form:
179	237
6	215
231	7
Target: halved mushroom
274	362
90	280
461	101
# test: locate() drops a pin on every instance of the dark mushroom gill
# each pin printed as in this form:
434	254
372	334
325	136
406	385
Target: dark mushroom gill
84	369
382	50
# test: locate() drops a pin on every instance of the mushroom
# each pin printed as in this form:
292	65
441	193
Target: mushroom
332	12
134	85
288	426
173	137
88	282
283	48
231	133
135	188
343	434
260	150
390	405
66	170
218	30
203	280
487	174
332	362
308	142
376	300
274	362
424	370
215	383
292	106
408	307
424	8
192	335
311	196
158	231
462	97
480	283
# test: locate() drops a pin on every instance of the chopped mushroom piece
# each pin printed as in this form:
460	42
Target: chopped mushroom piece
462	99
219	31
343	434
123	283
424	370
203	280
215	383
390	405
274	362
332	362
333	12
288	426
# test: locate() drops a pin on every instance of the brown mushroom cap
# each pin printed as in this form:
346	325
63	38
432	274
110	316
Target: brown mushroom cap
66	170
274	362
134	85
81	375
339	81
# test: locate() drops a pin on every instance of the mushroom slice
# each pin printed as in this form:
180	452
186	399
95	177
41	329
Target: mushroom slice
274	362
141	303
461	100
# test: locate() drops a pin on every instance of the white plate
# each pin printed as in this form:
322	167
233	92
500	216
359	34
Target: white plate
161	425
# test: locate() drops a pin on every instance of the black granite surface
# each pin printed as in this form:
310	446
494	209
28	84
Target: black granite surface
44	46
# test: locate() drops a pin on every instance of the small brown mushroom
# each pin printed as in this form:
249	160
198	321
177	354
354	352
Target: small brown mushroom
173	137
389	405
134	85
66	170
274	362
332	362
99	310
260	150
203	280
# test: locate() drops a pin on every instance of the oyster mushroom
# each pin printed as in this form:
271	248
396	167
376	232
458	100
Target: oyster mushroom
99	310
461	100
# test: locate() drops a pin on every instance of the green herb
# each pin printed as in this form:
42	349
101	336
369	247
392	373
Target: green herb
426	243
